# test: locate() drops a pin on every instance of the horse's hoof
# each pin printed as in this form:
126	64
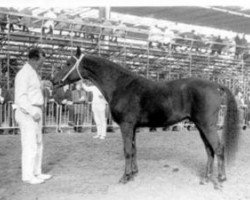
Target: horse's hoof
135	172
218	186
126	178
222	178
204	180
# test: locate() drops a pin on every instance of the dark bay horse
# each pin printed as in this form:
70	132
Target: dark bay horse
138	102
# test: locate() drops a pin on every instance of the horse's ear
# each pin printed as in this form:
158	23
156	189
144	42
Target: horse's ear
78	52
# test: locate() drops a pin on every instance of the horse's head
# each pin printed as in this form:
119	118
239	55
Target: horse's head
70	72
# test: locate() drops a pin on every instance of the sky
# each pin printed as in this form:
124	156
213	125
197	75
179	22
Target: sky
83	3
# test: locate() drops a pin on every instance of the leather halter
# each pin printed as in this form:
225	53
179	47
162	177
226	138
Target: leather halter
76	66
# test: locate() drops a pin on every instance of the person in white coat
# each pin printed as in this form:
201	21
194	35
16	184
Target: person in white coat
29	102
49	24
98	109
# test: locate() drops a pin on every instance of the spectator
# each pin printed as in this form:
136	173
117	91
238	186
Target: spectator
3	22
89	30
63	96
29	102
47	95
217	46
119	31
240	45
98	109
49	24
106	31
155	36
25	22
244	40
168	38
241	105
79	98
78	26
6	116
62	17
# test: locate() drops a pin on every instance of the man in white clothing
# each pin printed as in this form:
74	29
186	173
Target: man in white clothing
49	24
29	102
98	109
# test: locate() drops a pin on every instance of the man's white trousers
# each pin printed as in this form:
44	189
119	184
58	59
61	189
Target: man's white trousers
32	145
98	110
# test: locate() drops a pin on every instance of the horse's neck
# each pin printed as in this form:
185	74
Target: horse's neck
105	77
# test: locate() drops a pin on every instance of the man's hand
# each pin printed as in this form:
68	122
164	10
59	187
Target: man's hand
69	103
36	117
1	99
64	101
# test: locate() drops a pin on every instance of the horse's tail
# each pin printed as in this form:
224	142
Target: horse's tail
231	129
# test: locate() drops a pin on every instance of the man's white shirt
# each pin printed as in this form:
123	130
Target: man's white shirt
28	90
97	95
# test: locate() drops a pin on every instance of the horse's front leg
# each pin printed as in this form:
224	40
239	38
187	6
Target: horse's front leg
127	136
134	155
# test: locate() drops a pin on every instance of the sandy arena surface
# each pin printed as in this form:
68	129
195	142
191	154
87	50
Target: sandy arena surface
170	167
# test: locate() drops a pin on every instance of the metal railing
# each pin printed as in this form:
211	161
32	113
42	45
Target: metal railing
58	117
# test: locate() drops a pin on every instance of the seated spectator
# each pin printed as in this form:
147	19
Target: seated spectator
168	37
119	31
13	20
49	23
25	22
241	44
78	26
61	25
230	47
106	32
3	21
217	46
89	29
186	40
155	36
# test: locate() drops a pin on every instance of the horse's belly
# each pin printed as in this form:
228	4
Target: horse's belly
161	119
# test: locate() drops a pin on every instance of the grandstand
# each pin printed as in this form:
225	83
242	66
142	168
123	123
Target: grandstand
187	56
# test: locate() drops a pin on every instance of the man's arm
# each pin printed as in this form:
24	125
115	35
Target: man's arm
87	88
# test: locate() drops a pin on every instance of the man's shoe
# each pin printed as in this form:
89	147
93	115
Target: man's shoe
44	176
102	137
96	136
34	181
71	123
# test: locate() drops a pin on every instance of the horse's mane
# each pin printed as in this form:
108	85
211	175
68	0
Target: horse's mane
103	61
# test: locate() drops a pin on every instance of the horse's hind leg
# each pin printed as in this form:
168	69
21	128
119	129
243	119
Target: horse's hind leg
127	135
221	164
210	160
213	141
134	154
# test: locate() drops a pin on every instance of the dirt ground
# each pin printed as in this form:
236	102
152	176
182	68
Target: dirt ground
170	167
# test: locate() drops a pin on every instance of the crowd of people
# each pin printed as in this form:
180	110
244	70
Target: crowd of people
63	24
174	39
165	37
